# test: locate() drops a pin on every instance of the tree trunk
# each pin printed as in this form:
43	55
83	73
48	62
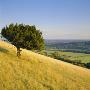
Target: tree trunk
18	52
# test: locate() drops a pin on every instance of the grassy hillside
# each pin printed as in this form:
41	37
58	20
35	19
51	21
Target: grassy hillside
37	72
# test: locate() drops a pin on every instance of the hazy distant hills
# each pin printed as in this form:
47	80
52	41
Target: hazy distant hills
82	46
51	41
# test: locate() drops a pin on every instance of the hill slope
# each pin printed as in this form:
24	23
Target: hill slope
38	72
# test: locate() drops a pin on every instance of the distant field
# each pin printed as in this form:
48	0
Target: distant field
84	58
78	58
72	51
37	72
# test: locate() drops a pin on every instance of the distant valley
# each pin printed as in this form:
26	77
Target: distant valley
79	46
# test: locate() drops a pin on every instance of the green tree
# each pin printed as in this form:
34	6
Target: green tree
23	36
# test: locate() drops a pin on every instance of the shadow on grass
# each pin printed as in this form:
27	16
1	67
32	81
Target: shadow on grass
3	50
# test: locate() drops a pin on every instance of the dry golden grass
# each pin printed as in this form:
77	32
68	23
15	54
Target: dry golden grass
37	72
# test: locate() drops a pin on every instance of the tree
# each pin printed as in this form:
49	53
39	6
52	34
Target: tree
23	36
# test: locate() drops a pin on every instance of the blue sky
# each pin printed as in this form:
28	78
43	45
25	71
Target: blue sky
57	19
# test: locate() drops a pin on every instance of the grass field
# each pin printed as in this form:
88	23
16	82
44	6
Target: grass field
37	72
84	58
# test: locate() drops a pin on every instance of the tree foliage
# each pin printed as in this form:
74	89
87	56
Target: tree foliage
23	36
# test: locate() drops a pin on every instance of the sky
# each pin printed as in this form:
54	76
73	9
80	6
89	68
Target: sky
57	19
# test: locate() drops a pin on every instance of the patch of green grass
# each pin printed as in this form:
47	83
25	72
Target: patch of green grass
84	58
